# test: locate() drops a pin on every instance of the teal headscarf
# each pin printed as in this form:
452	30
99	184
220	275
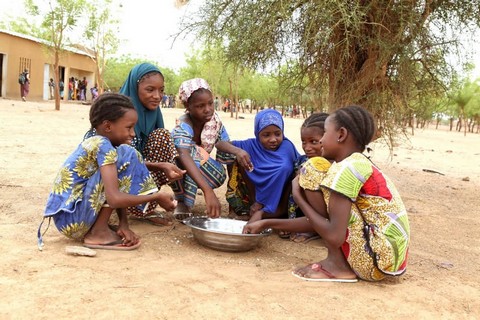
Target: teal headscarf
148	120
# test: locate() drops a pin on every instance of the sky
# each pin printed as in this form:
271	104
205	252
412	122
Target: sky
147	28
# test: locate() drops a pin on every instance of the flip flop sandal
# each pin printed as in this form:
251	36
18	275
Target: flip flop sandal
182	212
180	216
329	277
114	245
304	237
150	218
284	234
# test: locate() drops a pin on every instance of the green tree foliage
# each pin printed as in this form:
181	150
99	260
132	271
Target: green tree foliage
208	64
380	54
21	25
227	81
117	70
101	31
465	97
58	18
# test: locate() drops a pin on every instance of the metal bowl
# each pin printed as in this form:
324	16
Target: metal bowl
223	234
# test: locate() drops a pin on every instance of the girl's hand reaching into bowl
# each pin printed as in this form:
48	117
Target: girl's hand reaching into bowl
254	227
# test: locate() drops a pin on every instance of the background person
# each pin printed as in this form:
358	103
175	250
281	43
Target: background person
51	87
24	81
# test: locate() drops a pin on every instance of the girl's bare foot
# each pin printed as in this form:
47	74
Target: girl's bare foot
182	212
321	272
101	236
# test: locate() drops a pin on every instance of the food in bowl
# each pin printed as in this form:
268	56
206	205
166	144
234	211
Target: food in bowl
223	234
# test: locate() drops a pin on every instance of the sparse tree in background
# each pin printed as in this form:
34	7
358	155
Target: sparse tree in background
373	53
466	97
211	64
58	18
102	32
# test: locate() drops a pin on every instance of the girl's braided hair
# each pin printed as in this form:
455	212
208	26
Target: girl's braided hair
358	121
110	107
316	119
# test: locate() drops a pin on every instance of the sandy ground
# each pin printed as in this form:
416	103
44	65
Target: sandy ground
171	276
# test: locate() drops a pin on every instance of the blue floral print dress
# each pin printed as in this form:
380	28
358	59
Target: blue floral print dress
78	191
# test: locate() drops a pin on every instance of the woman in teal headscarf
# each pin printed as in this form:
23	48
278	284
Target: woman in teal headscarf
145	86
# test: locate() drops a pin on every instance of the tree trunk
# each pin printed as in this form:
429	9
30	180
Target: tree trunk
231	98
237	105
56	79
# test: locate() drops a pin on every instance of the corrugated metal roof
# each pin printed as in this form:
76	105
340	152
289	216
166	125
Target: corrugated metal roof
45	42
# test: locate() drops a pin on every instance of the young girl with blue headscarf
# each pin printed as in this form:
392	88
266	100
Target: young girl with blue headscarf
260	190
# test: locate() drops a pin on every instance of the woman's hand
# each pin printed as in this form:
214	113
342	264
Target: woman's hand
243	158
173	172
166	201
214	209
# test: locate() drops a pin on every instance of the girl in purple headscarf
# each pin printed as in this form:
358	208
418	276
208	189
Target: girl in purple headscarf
261	191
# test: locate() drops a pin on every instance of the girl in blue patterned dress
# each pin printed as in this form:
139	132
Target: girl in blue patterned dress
145	85
197	132
103	174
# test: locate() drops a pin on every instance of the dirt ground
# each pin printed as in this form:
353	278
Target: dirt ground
171	276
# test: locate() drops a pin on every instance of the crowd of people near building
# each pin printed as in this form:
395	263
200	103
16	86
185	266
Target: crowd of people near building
77	89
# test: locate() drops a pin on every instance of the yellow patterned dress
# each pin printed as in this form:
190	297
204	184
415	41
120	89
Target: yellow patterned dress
78	191
378	232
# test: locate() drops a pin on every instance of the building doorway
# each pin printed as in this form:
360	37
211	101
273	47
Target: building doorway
2	60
